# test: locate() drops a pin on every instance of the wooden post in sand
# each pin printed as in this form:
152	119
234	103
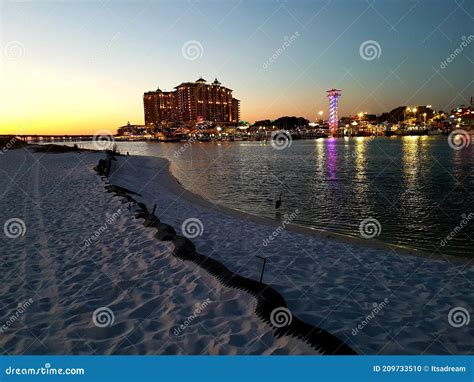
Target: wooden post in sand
263	267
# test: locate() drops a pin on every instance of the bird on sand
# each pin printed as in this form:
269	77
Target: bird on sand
278	203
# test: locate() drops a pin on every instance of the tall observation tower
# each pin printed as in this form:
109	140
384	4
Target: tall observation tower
333	95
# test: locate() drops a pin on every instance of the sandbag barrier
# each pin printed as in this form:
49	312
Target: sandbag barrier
104	165
268	299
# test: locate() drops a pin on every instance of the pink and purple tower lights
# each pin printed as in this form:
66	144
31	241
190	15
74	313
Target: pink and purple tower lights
333	95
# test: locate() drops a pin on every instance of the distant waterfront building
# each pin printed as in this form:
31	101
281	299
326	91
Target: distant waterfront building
130	130
192	102
159	106
235	110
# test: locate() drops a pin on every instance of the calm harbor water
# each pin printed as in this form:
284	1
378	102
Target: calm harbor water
417	188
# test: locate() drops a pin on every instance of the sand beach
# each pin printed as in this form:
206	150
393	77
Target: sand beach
82	275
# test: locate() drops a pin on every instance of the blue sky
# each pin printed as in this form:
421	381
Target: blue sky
87	63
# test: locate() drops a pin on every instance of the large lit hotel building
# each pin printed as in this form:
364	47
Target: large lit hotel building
191	102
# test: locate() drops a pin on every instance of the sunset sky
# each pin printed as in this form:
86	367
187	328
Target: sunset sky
82	66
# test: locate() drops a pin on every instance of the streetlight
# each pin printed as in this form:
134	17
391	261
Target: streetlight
407	110
424	117
414	110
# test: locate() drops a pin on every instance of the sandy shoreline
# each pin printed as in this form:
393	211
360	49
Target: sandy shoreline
330	283
99	282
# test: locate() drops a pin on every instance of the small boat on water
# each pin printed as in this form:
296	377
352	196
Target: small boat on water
390	131
171	139
417	130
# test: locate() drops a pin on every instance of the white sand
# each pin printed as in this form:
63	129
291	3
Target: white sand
328	282
62	203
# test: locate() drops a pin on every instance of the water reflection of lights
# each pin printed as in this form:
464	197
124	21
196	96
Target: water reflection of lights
414	160
332	158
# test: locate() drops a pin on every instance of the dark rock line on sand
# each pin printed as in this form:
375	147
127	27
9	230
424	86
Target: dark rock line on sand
268	299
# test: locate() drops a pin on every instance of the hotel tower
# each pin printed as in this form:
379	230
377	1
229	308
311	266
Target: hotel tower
191	102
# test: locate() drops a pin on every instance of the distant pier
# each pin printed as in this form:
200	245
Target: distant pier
53	138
